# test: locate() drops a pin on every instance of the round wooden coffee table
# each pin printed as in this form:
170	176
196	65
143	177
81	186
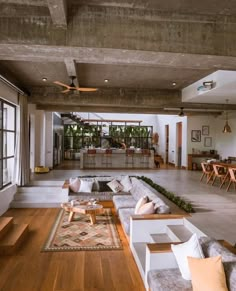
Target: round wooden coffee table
91	209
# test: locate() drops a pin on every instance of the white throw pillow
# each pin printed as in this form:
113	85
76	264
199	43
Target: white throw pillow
74	184
85	186
143	200
126	183
115	186
147	208
191	248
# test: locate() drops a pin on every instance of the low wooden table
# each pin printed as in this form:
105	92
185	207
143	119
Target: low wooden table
86	208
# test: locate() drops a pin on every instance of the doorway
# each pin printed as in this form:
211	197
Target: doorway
167	144
179	144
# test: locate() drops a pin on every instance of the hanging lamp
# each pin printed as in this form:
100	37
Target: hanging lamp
227	128
181	113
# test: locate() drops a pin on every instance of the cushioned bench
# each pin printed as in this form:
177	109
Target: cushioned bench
171	279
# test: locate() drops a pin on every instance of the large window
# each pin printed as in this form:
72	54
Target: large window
7	141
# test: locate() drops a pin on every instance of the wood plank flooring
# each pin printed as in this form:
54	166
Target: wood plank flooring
29	269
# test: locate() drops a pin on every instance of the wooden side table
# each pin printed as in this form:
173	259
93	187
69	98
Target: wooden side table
89	209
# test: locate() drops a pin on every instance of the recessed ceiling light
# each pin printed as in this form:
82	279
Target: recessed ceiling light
44	79
106	80
174	83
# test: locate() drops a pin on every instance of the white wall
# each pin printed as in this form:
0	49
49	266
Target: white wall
172	121
196	123
49	139
225	143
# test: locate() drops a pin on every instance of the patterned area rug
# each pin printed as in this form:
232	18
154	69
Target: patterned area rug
79	235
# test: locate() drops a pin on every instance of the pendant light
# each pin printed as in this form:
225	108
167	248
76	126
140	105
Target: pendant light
227	128
181	113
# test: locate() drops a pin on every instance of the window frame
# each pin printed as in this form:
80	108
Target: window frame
2	131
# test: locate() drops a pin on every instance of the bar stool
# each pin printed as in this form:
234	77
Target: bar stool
91	155
107	157
145	157
129	157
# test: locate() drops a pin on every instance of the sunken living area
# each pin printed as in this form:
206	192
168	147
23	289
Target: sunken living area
117	145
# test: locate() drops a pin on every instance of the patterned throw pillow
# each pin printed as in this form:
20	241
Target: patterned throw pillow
115	186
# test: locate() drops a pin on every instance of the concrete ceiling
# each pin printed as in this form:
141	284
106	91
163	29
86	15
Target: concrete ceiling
142	47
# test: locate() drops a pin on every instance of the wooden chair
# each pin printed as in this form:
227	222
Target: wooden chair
219	172
232	178
206	171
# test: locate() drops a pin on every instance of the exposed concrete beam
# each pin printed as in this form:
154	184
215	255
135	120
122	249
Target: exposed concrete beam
129	99
112	109
149	31
108	97
16	11
44	53
58	11
70	67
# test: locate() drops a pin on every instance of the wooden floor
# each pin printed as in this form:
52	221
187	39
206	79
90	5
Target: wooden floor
31	270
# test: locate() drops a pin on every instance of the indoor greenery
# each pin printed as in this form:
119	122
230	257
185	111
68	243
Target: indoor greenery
170	195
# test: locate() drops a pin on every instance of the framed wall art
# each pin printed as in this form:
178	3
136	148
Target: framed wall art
207	141
196	135
205	130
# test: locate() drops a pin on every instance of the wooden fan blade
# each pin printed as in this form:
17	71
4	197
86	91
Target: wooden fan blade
65	91
61	84
87	89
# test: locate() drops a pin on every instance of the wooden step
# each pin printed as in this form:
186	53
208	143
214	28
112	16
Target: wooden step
13	238
5	225
161	247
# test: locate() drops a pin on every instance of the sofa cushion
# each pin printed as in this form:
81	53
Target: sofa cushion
123	201
124	214
163	209
212	248
140	189
126	183
207	274
230	274
191	248
167	279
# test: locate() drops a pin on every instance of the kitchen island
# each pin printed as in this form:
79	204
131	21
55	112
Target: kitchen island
116	159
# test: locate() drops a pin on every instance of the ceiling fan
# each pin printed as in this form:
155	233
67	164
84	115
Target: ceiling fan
72	86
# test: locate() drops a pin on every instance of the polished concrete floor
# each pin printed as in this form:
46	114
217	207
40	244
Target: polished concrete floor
215	208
